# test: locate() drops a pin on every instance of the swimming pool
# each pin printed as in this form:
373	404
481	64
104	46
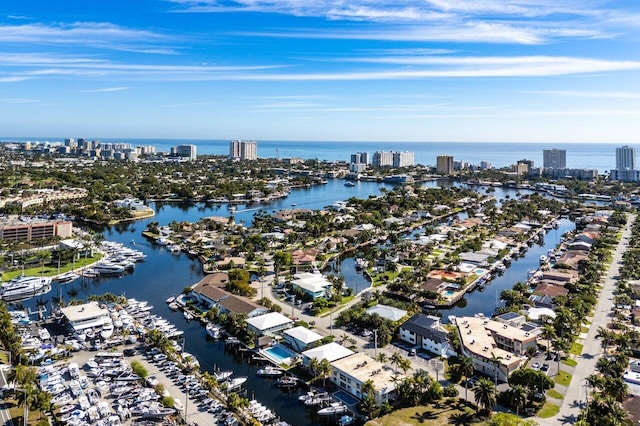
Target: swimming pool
346	397
279	354
449	293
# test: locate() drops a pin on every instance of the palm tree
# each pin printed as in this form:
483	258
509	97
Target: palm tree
381	357
484	394
466	370
518	396
405	365
396	359
606	335
548	333
495	360
314	366
325	370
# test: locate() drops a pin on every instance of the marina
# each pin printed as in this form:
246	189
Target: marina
171	272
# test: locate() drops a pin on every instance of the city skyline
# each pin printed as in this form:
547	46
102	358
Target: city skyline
480	71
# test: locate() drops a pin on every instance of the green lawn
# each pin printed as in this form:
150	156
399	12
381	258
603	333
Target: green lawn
562	378
49	270
552	393
576	348
570	362
431	415
548	410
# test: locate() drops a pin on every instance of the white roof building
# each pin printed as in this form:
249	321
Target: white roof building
331	352
299	338
269	323
88	315
314	284
387	312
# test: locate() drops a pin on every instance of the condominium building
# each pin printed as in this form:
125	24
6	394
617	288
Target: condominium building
22	228
625	170
625	158
403	159
188	152
444	164
243	150
382	158
554	158
360	158
497	349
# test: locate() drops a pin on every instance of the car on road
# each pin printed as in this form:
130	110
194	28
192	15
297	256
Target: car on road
545	367
367	333
535	365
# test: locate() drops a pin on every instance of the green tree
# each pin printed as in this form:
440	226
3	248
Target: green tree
484	394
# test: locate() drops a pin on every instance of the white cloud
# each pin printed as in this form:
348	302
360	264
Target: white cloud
106	89
588	94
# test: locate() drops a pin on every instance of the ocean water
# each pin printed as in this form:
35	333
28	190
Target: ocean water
599	156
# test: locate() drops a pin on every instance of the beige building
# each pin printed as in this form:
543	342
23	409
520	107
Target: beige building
351	372
444	164
30	228
497	349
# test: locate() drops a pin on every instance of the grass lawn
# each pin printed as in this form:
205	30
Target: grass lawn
554	394
431	415
548	410
562	378
570	362
48	270
576	348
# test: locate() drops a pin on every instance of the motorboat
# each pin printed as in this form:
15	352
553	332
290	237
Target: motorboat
108	268
213	331
270	371
25	287
187	315
158	413
235	383
222	375
349	184
333	408
287	382
543	259
67	277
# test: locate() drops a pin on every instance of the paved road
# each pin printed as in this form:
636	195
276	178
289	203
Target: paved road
575	396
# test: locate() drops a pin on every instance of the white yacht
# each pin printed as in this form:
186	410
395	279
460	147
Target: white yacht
213	331
108	268
25	287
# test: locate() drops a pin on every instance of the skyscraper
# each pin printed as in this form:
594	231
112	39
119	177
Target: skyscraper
382	158
402	159
625	158
186	151
240	150
444	164
554	158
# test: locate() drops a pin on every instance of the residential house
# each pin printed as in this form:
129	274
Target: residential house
300	338
271	323
426	332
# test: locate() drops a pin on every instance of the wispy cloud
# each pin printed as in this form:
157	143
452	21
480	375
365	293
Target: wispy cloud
17	100
106	89
384	68
102	35
588	94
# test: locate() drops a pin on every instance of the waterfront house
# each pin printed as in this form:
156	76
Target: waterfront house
426	332
476	258
434	284
240	305
579	245
300	338
312	283
571	259
387	312
553	291
269	324
87	315
351	372
331	352
561	277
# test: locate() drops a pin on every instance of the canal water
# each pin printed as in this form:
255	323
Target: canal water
165	274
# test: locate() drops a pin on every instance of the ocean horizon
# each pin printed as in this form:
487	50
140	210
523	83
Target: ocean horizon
598	156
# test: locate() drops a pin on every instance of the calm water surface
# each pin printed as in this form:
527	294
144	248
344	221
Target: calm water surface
164	274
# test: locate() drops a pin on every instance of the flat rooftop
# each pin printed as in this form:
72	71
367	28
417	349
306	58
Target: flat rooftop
362	367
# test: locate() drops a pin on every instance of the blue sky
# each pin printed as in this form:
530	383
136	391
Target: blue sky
380	70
